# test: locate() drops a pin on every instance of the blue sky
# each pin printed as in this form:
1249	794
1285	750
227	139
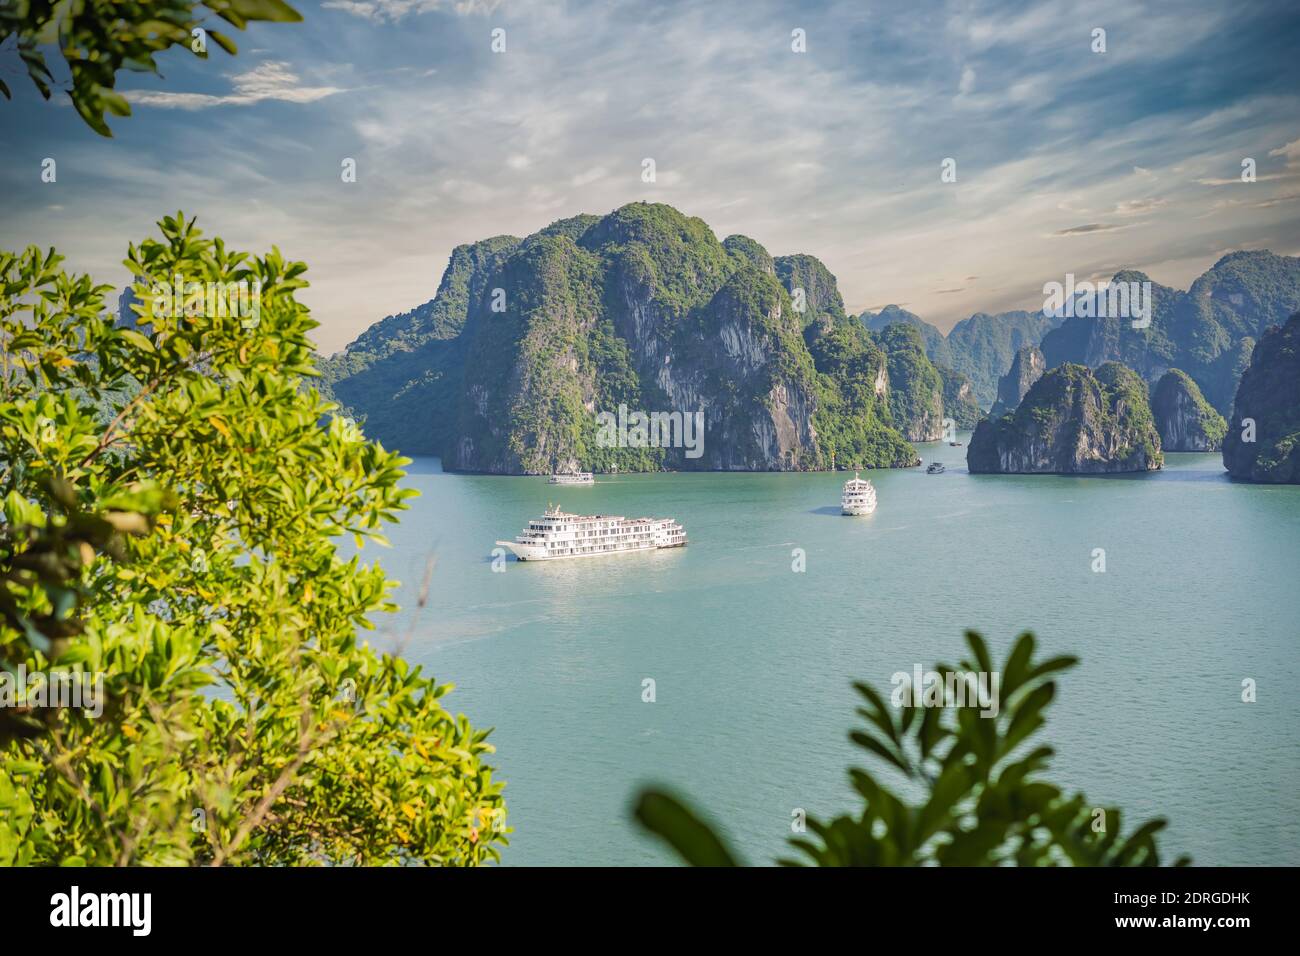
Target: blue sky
1067	160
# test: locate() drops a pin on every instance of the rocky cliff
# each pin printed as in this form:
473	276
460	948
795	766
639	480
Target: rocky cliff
404	374
1267	410
959	401
1185	420
810	285
1072	421
853	419
1026	368
531	343
915	386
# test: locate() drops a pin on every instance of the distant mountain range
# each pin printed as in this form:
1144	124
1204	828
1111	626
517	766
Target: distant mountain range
1208	331
527	341
981	347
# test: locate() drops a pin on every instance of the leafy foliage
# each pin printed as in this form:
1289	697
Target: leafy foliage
173	495
99	38
984	801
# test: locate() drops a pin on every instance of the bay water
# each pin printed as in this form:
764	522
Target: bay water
752	660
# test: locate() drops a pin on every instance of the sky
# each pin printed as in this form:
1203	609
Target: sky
1068	160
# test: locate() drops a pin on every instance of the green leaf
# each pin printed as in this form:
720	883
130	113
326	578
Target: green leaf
223	41
273	10
669	819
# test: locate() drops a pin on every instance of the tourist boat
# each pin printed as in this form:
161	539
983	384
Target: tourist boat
859	497
574	478
558	534
935	468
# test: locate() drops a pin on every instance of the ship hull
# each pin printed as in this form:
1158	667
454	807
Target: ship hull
531	552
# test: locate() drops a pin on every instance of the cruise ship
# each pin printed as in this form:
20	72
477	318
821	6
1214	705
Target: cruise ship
558	534
859	497
575	478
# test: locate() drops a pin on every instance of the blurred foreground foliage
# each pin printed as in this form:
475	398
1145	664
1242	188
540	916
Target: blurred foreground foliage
985	800
98	38
171	496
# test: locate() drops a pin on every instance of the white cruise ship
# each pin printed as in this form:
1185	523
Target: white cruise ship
859	497
558	534
576	478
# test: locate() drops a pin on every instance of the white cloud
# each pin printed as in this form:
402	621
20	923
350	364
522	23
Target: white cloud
590	176
391	11
1291	151
271	80
967	83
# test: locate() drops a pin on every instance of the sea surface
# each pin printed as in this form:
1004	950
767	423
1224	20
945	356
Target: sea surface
752	660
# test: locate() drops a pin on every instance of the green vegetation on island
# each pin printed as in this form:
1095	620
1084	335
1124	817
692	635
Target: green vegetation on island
1262	442
1185	420
915	385
527	342
1207	332
1072	421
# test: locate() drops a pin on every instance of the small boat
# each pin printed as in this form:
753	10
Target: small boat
859	497
935	468
574	478
955	444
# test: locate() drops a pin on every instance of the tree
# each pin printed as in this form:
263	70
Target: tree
99	38
172	497
986	803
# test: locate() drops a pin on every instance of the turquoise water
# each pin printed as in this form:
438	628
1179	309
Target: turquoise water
752	662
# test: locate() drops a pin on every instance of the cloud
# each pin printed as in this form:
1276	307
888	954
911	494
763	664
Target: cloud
834	152
391	11
1276	201
1291	151
1135	207
1237	180
271	80
967	82
590	176
1088	229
